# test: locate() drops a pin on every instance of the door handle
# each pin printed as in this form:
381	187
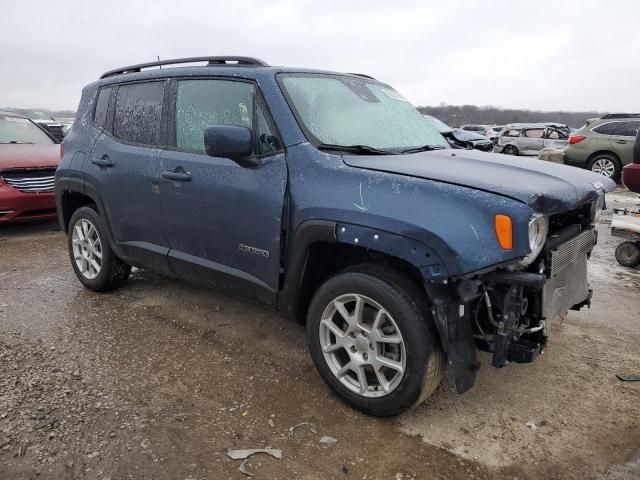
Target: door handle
103	161
177	176
623	142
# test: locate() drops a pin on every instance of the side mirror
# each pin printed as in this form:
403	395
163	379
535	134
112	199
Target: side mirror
235	143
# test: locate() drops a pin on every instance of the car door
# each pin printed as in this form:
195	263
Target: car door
531	141
623	139
124	172
223	221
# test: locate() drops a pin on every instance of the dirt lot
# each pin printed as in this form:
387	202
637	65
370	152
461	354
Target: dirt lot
160	378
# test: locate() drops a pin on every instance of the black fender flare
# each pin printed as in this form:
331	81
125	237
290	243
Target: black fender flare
77	185
433	263
62	185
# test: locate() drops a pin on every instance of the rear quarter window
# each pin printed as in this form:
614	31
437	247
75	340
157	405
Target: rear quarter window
102	106
138	112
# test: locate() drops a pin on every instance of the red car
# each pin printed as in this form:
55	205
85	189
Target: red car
631	177
28	160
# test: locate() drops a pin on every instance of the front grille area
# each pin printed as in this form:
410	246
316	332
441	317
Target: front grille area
567	284
30	181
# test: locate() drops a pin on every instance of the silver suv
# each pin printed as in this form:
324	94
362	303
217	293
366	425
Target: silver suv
531	138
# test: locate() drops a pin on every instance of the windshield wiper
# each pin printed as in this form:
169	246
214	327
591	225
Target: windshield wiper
15	141
364	149
424	148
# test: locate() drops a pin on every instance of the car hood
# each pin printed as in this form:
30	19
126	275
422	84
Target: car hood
28	156
545	186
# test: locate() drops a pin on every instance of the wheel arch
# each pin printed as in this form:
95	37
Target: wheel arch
70	201
323	248
510	145
603	152
71	195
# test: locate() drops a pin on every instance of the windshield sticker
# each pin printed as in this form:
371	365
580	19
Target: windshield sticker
16	119
391	93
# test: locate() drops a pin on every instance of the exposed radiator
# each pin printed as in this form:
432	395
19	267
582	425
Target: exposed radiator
568	284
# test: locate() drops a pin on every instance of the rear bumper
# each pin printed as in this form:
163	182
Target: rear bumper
16	206
631	177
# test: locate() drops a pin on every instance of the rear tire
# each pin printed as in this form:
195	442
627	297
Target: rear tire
606	165
510	150
353	360
94	262
628	254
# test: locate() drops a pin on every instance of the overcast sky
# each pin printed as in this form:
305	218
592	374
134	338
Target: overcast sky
547	55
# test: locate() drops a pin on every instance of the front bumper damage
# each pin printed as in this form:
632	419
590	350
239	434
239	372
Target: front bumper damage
509	313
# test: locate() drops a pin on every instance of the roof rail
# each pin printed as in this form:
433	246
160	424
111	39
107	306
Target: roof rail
362	75
220	60
621	115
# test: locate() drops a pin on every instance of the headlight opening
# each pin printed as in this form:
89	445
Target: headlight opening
538	230
596	208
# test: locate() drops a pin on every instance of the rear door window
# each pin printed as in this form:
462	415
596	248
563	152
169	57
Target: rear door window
138	113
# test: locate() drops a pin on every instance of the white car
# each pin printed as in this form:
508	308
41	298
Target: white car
531	138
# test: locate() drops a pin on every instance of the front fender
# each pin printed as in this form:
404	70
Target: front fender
434	261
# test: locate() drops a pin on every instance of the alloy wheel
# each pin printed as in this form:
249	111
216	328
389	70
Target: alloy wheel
87	248
362	345
604	167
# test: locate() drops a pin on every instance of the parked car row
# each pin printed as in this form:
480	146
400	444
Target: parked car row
459	138
603	145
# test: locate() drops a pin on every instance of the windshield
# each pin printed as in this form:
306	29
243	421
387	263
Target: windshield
438	124
348	111
21	130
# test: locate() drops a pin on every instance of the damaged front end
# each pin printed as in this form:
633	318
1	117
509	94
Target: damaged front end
508	310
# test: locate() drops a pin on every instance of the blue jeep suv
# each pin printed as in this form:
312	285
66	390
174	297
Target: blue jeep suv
329	198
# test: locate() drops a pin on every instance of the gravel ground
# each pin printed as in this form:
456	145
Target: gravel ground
160	378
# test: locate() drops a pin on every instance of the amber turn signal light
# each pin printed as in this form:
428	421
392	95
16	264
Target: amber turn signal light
504	231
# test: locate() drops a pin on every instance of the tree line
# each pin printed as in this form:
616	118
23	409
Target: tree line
458	115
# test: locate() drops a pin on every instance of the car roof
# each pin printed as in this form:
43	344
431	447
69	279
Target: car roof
241	67
610	116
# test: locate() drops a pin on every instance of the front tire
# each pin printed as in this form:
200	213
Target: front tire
510	150
94	262
371	340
